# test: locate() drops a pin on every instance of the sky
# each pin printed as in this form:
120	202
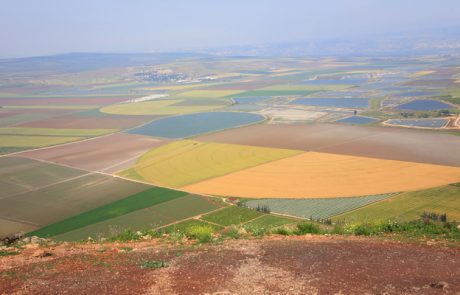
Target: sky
32	28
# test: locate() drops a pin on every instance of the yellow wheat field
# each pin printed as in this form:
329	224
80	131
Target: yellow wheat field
321	175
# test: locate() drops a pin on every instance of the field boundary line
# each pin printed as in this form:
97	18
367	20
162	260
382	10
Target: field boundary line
20	221
196	217
258	217
45	186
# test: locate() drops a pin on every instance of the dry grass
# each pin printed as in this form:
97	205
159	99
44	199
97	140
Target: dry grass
321	175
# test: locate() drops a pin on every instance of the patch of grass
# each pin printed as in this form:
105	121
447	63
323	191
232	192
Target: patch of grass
153	264
269	221
202	233
132	203
232	215
8	253
185	225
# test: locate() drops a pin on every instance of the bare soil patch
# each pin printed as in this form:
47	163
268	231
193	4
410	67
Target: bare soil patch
275	265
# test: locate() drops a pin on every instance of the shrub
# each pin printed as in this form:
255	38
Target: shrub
307	228
202	233
125	236
153	264
282	231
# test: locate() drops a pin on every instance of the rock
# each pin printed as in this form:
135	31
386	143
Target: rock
41	253
439	285
35	240
26	240
242	231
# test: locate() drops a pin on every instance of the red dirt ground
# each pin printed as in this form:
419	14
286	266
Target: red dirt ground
274	265
107	153
377	142
90	122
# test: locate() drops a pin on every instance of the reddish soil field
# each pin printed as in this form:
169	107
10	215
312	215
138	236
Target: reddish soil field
63	101
292	265
90	122
378	142
107	153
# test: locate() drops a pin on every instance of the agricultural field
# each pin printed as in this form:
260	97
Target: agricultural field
138	201
90	142
357	120
315	208
333	102
110	153
322	175
184	162
231	216
81	120
33	141
158	215
190	125
54	132
49	204
410	206
157	107
19	175
366	141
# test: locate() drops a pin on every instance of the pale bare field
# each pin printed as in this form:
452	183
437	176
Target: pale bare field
323	175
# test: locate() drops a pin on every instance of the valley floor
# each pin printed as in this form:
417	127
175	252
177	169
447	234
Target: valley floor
272	265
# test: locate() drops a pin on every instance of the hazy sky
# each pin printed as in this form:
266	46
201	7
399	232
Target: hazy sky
38	27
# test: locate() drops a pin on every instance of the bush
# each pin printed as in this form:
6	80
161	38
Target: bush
153	264
366	229
307	228
202	233
282	231
125	236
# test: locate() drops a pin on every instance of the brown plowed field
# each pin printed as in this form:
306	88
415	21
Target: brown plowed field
322	175
89	122
275	265
378	142
108	153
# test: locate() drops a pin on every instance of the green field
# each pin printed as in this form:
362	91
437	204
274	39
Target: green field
33	141
157	107
315	208
410	205
147	218
132	203
19	175
54	132
232	215
268	221
55	202
185	162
